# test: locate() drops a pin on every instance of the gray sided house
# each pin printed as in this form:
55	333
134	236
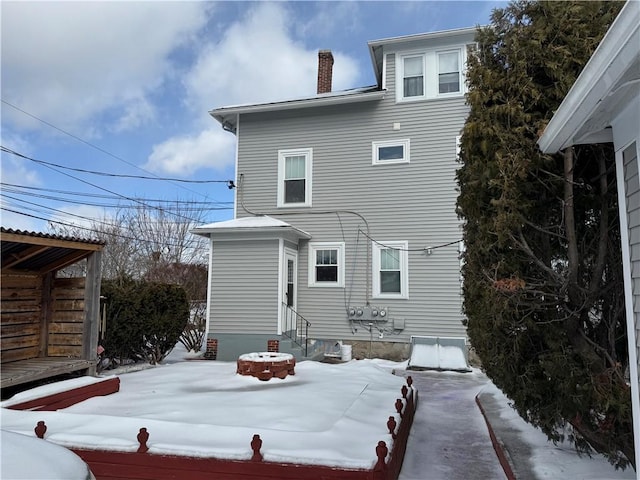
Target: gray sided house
345	226
603	106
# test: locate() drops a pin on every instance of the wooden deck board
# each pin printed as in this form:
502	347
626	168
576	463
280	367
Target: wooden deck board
24	371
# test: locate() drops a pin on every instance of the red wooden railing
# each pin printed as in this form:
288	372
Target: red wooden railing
141	465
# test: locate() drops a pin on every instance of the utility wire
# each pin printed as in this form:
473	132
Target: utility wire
95	232
100	149
131	199
17	189
107	174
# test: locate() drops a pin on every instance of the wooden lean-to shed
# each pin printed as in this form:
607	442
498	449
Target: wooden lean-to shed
49	323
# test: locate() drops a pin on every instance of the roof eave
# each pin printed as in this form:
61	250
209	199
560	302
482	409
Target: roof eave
228	116
594	83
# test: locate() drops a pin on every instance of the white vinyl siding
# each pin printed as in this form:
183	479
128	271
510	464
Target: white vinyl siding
294	177
326	264
390	270
390	151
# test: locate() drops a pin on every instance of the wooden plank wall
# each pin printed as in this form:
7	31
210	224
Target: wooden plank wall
67	319
20	315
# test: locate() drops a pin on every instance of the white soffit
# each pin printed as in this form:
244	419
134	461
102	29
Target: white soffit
606	84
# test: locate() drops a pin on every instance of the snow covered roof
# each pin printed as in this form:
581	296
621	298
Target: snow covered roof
249	225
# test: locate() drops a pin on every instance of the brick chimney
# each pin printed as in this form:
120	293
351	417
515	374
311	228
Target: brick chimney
325	71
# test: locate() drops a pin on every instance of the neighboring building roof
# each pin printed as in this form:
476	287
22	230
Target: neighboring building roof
605	86
42	252
228	116
255	224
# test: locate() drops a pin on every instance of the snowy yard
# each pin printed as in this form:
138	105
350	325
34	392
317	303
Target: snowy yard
324	414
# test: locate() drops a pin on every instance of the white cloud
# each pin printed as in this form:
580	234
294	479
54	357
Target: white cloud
257	59
69	62
183	155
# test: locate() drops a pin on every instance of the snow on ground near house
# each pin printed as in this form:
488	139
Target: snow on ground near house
325	414
448	440
551	461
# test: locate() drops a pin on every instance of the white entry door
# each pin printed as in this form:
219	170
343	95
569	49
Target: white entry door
289	291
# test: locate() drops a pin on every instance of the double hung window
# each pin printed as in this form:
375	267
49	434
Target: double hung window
390	270
294	177
449	72
326	264
430	74
413	76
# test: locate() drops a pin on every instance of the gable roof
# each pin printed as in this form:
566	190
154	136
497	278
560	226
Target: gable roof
605	86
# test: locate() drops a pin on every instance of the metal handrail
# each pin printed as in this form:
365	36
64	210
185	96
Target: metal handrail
294	322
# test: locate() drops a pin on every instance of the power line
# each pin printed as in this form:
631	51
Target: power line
93	231
107	174
115	193
100	149
16	189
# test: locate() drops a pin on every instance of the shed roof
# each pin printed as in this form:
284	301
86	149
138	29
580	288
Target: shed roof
34	252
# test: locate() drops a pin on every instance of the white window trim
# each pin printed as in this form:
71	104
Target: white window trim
339	246
403	246
282	154
431	72
375	146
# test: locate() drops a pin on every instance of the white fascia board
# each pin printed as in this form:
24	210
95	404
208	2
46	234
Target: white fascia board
616	52
229	115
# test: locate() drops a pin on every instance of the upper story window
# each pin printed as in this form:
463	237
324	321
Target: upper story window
326	264
390	270
449	72
413	76
430	74
390	151
294	177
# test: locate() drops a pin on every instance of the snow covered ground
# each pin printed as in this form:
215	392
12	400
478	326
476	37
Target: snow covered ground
332	414
324	414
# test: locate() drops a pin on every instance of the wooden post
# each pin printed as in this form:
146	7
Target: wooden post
256	445
46	313
92	308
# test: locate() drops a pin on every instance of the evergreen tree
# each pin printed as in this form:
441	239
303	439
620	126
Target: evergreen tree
542	273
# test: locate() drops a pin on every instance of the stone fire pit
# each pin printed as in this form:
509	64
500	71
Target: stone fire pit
266	365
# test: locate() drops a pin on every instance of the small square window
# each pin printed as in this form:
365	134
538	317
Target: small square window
390	151
326	264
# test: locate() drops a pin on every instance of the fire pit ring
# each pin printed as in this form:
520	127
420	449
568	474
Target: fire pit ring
266	365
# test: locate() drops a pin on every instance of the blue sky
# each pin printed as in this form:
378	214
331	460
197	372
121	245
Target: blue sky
125	88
